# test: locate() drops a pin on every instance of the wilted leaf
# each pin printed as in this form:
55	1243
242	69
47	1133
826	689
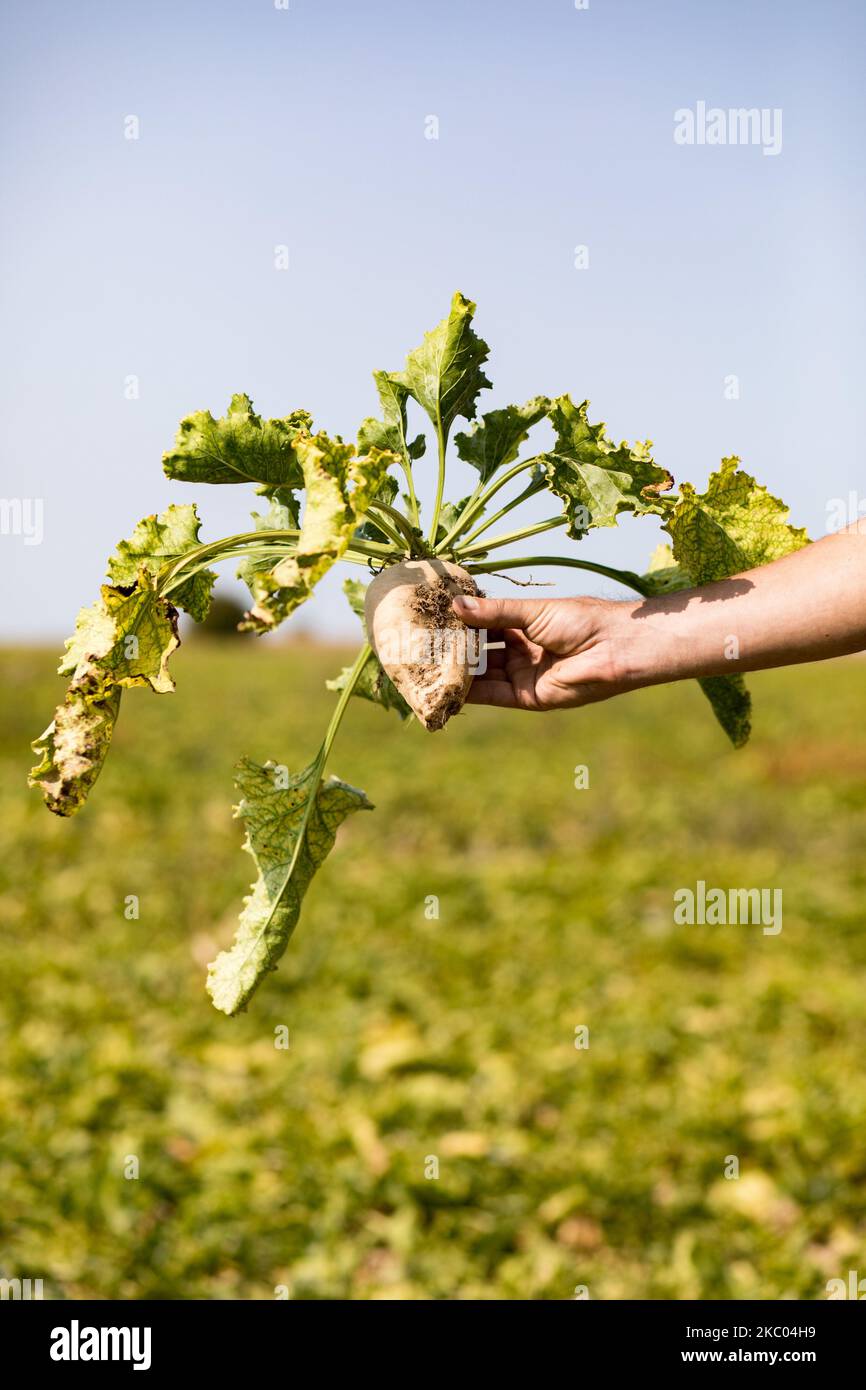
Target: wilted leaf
73	749
240	447
389	433
339	488
594	478
124	639
158	541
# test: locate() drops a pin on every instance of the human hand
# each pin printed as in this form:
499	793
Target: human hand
558	653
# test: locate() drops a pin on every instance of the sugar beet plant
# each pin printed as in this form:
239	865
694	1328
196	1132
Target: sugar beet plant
327	501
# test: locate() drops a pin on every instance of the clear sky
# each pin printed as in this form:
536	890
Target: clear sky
306	127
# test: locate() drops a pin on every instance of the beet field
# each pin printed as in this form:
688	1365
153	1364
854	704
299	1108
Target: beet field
494	1062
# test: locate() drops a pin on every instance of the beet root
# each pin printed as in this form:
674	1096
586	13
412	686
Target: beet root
423	646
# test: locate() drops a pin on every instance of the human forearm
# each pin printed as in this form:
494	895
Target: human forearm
558	653
805	607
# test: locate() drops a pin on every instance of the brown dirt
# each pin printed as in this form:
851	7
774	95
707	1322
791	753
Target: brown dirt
432	602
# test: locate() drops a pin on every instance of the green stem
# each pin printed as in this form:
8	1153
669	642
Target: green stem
262	541
345	694
322	755
487	522
166	588
468	552
459	524
440	483
378	517
318	768
632	581
357	557
410	535
410	483
480	498
213	550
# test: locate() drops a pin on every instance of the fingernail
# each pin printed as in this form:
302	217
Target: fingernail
466	602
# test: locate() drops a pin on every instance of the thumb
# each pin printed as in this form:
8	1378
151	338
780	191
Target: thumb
498	612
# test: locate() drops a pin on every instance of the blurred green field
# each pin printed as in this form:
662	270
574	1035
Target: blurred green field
451	1038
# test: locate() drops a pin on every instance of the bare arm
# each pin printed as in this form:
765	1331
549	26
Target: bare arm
565	652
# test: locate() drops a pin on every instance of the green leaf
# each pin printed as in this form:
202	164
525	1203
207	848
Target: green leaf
291	824
356	592
389	434
594	478
339	489
728	695
73	748
497	437
158	541
373	683
444	374
735	525
123	639
240	447
664	575
732	705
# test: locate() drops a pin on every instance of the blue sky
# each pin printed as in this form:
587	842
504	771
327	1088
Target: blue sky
306	127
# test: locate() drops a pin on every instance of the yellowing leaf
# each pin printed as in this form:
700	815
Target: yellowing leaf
734	526
339	489
160	541
124	639
389	433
